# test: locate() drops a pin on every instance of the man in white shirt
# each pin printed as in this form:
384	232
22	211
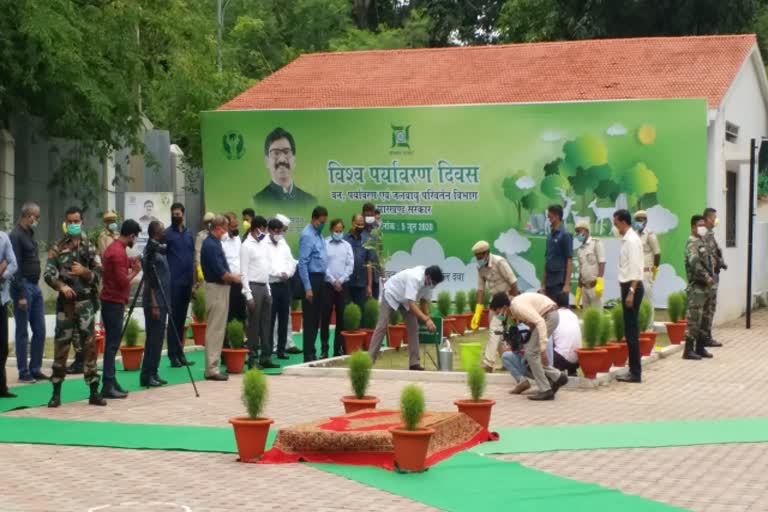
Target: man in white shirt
231	244
565	339
341	263
410	292
283	266
290	346
255	267
631	282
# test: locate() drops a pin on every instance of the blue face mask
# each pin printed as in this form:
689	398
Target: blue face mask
581	237
501	318
337	236
260	236
74	229
639	226
320	227
113	227
481	263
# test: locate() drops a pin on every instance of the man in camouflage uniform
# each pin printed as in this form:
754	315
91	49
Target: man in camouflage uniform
74	270
698	268
718	264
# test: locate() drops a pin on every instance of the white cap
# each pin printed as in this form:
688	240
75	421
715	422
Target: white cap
282	218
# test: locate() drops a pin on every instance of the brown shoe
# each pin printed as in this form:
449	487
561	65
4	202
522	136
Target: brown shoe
521	387
488	369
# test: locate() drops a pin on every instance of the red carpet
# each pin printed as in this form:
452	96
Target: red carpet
363	438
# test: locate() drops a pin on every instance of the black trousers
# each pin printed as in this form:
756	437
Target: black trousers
563	364
236	307
313	312
631	327
359	296
3	346
333	300
180	297
281	307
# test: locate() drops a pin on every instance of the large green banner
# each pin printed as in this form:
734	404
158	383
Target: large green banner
445	177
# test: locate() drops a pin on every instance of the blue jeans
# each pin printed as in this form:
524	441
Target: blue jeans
112	317
153	345
35	316
515	363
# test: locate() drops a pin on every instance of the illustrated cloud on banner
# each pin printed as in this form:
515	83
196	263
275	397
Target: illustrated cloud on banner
661	220
511	244
616	130
459	276
551	136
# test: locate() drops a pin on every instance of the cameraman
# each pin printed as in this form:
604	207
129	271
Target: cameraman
157	289
513	359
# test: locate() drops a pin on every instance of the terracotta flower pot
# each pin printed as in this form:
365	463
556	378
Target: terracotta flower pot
198	332
608	359
619	354
353	341
368	336
652	334
591	361
646	345
234	359
250	436
485	319
100	343
676	332
353	404
411	447
448	326
296	321
395	335
459	324
131	357
479	411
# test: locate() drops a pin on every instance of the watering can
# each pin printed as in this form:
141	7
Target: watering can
445	356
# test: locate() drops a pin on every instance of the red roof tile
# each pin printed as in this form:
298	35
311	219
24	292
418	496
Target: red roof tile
602	69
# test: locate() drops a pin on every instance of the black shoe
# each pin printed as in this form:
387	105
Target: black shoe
75	368
629	378
158	379
7	394
55	400
175	363
542	395
310	359
282	356
40	376
119	388
150	383
712	343
293	350
112	393
96	398
324	355
218	377
416	367
560	382
690	354
184	362
264	365
703	353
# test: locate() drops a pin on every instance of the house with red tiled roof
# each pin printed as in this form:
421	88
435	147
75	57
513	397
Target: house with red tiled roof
726	70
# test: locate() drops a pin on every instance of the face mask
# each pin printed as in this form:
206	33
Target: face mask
717	221
370	220
337	236
276	238
639	226
615	231
701	231
34	223
246	226
112	227
234	233
320	227
481	263
176	221
73	229
581	237
501	318
260	236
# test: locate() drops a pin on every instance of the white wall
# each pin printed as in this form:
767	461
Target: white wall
743	105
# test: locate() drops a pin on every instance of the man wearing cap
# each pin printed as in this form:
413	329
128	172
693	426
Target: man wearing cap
283	262
199	239
651	255
109	234
591	256
495	272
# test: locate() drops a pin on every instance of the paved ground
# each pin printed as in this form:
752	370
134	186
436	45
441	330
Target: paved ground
708	478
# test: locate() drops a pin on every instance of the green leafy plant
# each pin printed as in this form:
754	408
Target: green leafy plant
472	298
762	185
352	316
444	303
644	316
592	319
296	305
236	334
395	318
617	315
684	300
370	313
476	382
132	331
675	306
486	297
254	392
411	406
460	302
605	329
198	304
360	364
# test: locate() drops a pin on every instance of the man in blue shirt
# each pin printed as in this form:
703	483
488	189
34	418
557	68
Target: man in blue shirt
218	279
361	280
341	263
558	257
181	261
313	262
8	268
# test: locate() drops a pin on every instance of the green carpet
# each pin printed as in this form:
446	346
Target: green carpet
467	482
626	435
73	390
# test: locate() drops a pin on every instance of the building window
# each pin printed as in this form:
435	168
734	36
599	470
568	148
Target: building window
730	209
731	132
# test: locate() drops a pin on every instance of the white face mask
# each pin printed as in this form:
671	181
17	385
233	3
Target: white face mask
276	238
370	220
701	231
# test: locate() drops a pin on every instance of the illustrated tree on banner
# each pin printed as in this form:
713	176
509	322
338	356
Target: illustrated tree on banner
639	181
515	187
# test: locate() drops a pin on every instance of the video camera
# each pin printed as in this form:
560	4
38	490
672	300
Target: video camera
515	335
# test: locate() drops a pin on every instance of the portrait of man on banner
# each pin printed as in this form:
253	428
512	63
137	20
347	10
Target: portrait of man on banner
280	159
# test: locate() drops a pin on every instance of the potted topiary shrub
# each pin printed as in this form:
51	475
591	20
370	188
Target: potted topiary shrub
485	319
251	431
603	337
477	408
296	315
684	312
675	329
353	337
360	364
234	357
370	319
199	323
132	352
459	309
444	308
591	358
646	339
395	331
411	442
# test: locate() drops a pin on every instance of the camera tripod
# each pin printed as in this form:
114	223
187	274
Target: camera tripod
180	346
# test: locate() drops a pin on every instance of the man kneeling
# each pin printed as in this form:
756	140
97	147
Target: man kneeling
565	339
